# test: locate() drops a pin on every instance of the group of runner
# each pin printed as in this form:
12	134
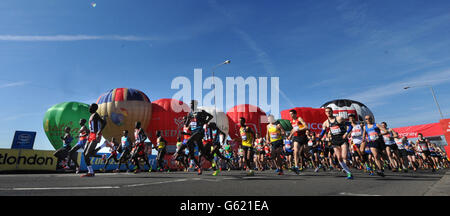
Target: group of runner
340	145
361	145
369	147
90	137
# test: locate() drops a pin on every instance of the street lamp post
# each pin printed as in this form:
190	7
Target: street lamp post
213	68
434	97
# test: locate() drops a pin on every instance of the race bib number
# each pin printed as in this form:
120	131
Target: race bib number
356	132
310	143
373	135
243	135
423	147
207	135
296	128
274	135
288	145
193	125
335	130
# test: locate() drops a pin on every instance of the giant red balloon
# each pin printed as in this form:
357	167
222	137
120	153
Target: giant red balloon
314	117
254	117
167	119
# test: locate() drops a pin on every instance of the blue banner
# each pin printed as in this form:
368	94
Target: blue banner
98	163
23	140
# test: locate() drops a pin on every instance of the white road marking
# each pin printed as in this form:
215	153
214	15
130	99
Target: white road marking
352	194
229	178
212	180
254	177
154	183
91	188
52	175
61	188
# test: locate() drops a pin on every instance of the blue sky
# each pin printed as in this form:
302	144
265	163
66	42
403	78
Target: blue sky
53	51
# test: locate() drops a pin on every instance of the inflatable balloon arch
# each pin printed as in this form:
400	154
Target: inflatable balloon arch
122	107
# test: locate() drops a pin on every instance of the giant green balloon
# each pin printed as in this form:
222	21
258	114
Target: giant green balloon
63	115
286	124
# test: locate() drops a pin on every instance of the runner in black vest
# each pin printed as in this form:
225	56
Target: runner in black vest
196	120
339	131
424	145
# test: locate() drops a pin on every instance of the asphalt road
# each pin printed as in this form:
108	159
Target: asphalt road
233	183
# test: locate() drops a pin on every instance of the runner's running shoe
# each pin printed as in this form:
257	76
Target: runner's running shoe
296	170
88	175
380	173
349	176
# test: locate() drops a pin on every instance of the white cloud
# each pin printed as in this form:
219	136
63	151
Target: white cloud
23	115
412	117
260	54
380	93
263	59
14	84
324	82
34	38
